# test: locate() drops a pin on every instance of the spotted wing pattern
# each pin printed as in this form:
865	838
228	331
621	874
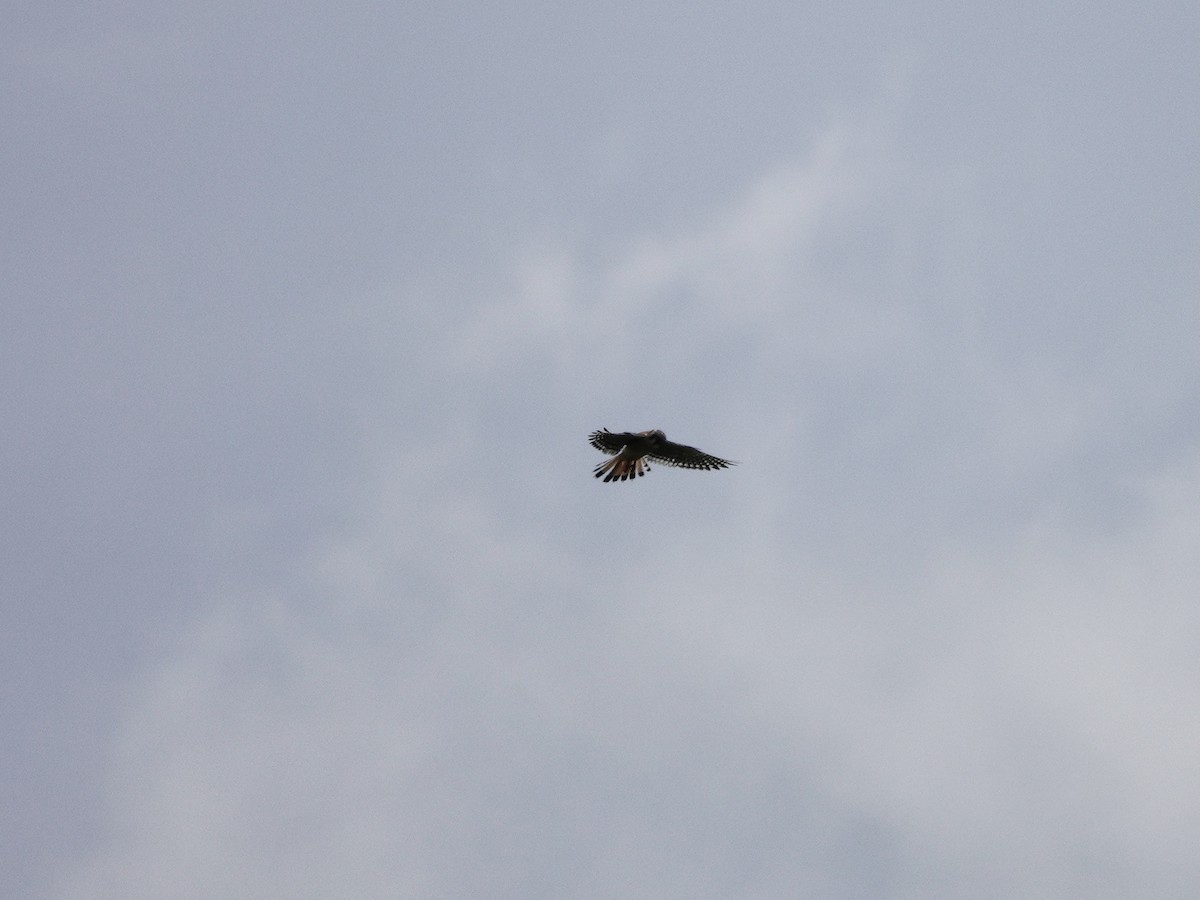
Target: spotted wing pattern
684	457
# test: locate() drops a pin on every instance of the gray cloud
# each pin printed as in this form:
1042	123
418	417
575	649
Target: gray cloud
883	657
309	590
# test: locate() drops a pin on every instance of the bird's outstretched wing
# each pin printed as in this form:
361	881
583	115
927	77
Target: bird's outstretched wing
610	442
684	457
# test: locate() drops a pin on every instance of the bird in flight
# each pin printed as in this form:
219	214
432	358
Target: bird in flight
631	453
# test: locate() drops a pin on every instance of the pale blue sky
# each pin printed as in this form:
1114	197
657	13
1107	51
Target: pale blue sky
307	590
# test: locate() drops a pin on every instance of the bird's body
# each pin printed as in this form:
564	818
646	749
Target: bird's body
632	451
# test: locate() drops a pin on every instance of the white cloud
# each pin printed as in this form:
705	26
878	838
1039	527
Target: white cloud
748	263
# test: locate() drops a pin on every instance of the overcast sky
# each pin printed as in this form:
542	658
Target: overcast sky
308	309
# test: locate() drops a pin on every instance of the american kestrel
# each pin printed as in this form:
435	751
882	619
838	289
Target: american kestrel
631	453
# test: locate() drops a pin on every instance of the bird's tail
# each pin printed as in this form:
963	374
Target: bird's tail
618	469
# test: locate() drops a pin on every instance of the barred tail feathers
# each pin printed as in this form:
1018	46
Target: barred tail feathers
619	469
